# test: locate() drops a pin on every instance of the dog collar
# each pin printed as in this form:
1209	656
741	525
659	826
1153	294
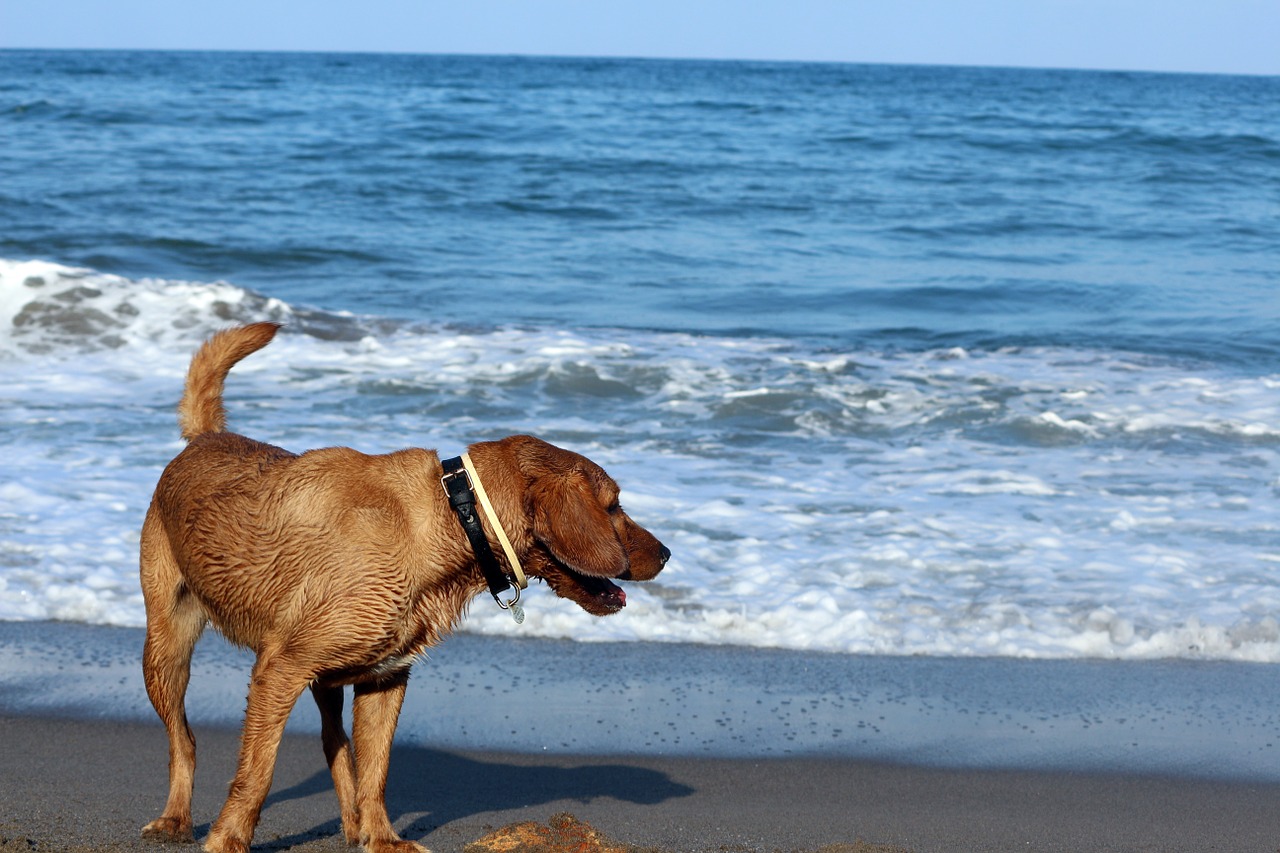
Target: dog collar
462	486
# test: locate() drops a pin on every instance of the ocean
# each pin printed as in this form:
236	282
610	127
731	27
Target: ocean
897	360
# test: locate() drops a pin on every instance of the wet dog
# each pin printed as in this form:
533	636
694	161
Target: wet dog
338	568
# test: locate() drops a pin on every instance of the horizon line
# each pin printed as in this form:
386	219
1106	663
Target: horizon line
639	58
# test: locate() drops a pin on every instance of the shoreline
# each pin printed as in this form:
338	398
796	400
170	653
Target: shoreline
682	748
1194	719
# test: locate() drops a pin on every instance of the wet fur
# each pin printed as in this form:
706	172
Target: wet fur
338	568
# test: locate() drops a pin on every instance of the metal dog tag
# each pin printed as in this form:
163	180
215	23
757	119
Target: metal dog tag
517	612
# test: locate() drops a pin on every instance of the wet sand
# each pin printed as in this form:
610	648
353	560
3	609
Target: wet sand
90	785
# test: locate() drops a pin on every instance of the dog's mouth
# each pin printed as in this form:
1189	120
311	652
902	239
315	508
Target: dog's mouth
596	595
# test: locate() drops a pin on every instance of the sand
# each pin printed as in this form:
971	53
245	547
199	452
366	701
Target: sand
86	774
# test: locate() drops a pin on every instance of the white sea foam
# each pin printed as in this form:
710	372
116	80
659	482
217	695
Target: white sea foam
1029	502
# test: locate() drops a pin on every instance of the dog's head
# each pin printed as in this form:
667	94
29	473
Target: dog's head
577	537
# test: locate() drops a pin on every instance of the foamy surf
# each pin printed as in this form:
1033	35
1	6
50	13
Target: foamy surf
1028	502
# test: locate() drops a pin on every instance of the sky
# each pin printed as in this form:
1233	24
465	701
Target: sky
1206	36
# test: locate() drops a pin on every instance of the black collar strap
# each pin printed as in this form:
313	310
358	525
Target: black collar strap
457	486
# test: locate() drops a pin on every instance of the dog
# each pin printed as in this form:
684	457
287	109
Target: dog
339	568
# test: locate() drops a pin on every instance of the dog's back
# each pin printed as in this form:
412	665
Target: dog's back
251	537
214	462
232	519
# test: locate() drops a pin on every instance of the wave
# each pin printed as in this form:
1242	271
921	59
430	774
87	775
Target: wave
1028	139
1029	395
1019	501
48	308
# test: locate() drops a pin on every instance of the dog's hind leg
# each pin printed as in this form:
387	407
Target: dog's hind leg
175	620
337	751
375	712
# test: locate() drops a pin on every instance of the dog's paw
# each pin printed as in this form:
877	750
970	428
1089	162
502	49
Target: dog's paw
226	845
170	830
395	845
351	828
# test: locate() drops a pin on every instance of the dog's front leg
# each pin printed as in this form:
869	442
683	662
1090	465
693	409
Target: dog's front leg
273	690
374	716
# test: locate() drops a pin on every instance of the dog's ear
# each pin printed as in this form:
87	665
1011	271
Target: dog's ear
575	528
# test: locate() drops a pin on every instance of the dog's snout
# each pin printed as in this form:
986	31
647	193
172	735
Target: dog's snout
664	555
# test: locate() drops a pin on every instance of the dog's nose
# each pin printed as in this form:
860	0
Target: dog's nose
664	555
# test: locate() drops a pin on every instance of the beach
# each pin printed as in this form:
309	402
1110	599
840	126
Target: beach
1181	760
952	392
90	785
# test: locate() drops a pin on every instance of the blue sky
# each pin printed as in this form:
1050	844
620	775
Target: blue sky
1227	36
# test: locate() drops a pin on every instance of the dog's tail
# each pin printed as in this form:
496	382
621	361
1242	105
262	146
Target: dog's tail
201	408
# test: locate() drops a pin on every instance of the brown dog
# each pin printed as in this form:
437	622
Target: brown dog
339	568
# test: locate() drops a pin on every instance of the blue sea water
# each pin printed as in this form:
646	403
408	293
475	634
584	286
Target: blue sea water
908	360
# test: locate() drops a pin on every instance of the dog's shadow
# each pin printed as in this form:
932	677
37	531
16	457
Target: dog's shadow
440	787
